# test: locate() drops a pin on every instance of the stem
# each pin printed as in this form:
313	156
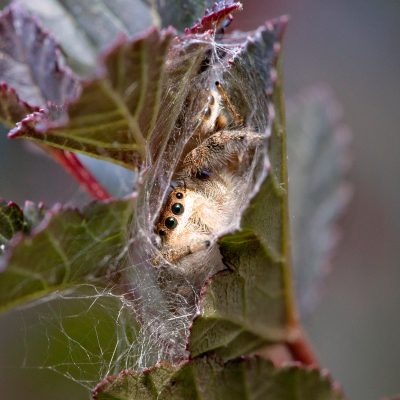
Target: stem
300	348
302	351
75	167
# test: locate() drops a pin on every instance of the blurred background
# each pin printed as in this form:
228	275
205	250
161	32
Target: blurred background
354	48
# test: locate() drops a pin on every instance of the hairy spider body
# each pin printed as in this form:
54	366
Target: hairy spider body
209	186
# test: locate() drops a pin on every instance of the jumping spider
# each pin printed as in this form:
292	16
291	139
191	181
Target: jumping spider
210	180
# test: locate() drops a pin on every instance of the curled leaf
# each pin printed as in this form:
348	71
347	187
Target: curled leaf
115	112
217	18
208	379
251	304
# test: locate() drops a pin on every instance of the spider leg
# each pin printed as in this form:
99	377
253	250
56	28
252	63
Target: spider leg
218	150
238	119
173	255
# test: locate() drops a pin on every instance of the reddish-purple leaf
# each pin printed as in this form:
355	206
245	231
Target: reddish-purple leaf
33	68
215	19
85	28
31	61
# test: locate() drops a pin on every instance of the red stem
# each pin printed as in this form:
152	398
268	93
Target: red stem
75	167
302	351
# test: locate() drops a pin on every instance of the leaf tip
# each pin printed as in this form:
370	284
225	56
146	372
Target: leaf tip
216	19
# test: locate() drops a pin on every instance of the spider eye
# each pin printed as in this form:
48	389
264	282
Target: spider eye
203	174
179	195
177	208
161	232
171	223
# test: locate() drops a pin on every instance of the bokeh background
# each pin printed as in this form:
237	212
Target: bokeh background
355	328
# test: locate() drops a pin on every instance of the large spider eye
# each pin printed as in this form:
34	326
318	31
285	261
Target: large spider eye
203	174
177	208
171	223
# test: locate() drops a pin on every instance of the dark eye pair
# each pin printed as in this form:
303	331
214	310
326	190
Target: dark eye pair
177	209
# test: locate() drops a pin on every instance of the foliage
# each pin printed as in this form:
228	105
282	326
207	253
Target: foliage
124	113
207	378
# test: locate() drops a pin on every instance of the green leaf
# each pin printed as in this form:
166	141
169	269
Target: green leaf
115	112
14	220
68	248
11	222
252	303
210	379
31	62
318	161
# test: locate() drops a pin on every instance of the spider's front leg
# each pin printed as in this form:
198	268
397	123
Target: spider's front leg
173	255
220	149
